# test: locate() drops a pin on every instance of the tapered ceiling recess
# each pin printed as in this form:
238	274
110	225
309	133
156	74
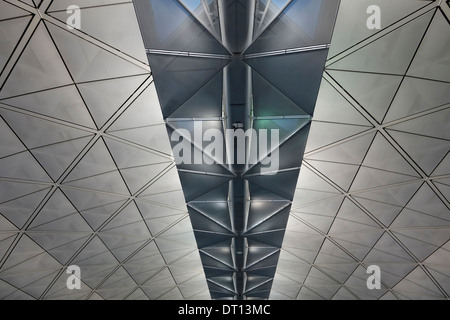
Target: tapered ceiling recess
236	67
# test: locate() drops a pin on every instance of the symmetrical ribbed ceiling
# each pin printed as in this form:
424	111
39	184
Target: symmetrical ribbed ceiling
217	65
88	178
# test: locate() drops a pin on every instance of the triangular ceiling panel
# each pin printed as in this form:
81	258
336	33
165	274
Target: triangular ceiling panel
332	254
119	31
34	283
27	254
171	27
384	212
272	222
207	239
40	67
288	180
206	13
427	152
286	129
298	26
425	200
349	152
261	211
395	195
96	208
270	101
304	197
86	61
422	242
151	210
128	156
137	166
10	11
184	75
317	221
196	185
444	167
327	208
435	125
216	211
173	199
351	218
56	158
206	102
340	173
431	60
308	179
340	271
62	246
6	225
33	131
136	178
441	275
297	75
5	242
11	32
14	190
417	285
64	103
410	219
391	53
96	161
22	166
374	92
368	178
444	187
417	95
116	185
360	243
293	144
141	112
56	208
87	258
383	156
325	133
260	193
103	98
388	251
352	15
153	137
161	224
335	108
121	246
266	14
9	144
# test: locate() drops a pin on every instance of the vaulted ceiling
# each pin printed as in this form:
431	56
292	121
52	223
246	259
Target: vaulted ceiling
88	178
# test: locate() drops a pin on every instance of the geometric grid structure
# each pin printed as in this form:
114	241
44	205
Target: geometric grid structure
87	175
374	185
238	68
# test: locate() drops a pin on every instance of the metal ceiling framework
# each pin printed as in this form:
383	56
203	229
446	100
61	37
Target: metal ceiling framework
249	64
87	175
